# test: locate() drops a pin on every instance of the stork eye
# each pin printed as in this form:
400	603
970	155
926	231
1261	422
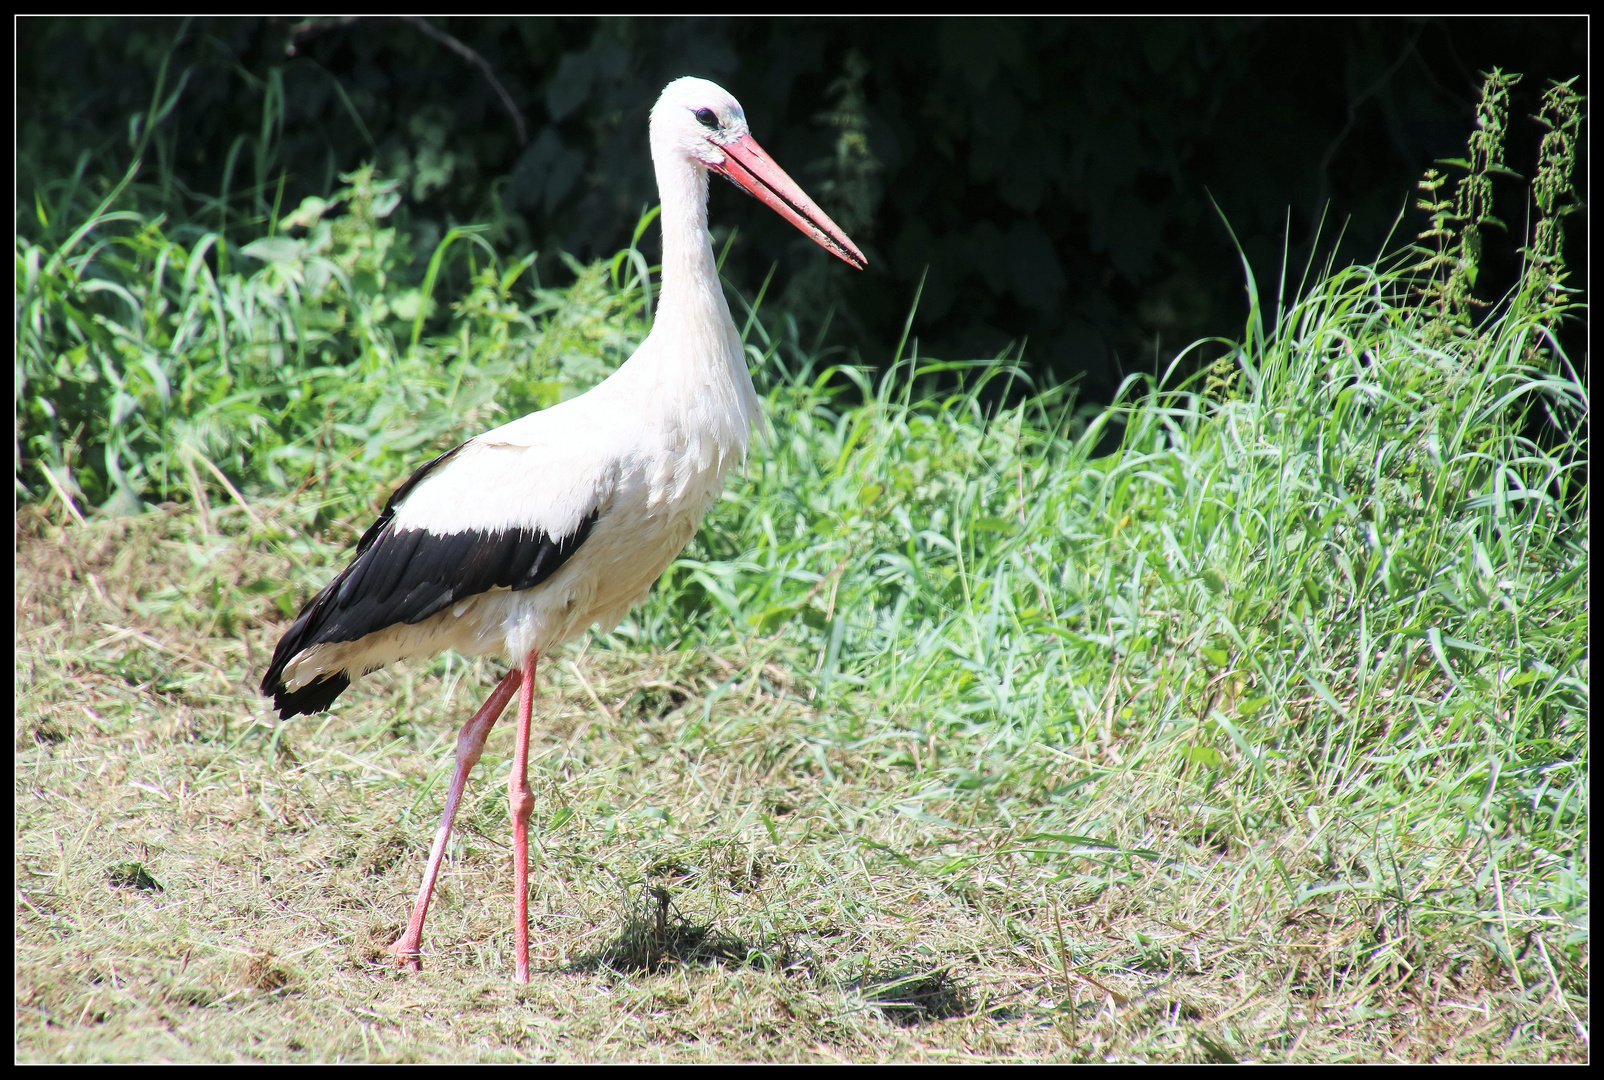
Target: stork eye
707	118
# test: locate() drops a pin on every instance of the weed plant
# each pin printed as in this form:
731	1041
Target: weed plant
1262	737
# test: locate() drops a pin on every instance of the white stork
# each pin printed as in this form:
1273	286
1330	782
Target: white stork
523	537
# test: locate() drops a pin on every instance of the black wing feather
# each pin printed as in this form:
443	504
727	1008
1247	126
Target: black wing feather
406	576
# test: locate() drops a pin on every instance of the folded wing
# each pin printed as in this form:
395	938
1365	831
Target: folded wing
444	536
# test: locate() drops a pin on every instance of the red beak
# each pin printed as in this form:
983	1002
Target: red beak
749	165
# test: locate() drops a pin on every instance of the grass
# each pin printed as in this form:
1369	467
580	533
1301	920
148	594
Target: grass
285	860
1261	738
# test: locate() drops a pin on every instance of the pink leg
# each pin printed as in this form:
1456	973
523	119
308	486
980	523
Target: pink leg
521	802
470	744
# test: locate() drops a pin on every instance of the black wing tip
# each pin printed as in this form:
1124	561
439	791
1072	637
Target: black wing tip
314	697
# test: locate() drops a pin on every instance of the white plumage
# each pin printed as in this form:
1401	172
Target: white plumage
521	538
648	456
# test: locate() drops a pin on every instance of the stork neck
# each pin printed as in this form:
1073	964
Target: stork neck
702	370
689	289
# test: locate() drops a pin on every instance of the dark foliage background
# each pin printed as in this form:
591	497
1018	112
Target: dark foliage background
1050	180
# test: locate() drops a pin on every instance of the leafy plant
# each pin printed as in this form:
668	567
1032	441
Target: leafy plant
1456	223
1555	196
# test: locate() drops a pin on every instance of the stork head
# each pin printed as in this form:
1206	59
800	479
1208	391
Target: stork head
701	122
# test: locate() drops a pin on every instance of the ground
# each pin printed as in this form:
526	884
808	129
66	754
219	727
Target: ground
721	870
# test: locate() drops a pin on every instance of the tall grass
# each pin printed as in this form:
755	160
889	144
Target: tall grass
1337	591
1355	593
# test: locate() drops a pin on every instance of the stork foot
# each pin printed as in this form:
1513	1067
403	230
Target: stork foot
407	958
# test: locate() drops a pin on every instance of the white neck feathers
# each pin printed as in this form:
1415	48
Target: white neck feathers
694	342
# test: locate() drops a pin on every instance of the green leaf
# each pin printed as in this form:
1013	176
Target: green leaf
772	618
306	215
273	249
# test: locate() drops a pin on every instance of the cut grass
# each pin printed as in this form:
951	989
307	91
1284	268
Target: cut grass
854	911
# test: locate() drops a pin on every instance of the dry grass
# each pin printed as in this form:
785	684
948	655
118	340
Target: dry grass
720	875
